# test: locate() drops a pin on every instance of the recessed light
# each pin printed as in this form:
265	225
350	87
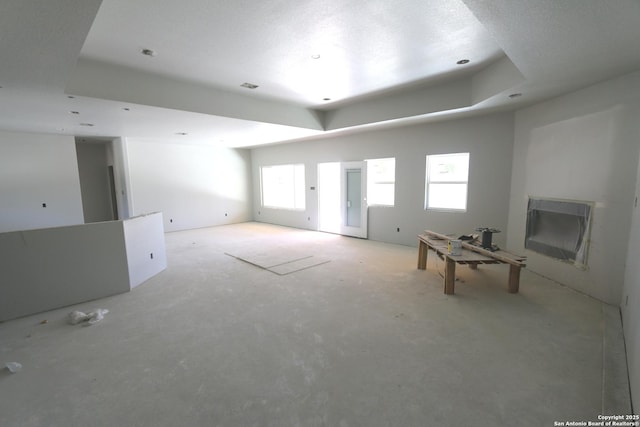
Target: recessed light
515	95
316	56
74	112
148	52
249	85
462	62
87	124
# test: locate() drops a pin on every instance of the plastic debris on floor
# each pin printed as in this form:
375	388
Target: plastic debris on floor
13	367
87	319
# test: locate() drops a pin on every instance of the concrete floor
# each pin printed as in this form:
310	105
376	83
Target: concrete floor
364	340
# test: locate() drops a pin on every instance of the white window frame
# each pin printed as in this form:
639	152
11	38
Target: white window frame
374	180
449	178
295	187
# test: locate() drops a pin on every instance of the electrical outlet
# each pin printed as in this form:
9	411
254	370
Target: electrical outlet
151	255
398	229
44	205
225	214
171	220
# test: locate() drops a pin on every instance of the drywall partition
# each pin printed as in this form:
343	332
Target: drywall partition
54	267
39	184
49	268
631	298
582	146
192	185
144	242
488	139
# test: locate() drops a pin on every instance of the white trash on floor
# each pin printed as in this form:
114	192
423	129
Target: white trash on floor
90	318
13	367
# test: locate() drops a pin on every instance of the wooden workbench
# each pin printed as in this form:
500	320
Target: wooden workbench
471	255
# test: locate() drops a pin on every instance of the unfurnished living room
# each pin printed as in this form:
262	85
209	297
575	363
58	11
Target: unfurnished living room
327	213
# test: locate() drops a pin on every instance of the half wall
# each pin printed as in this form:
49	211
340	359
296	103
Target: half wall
50	268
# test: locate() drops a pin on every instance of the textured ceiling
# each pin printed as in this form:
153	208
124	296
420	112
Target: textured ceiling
364	45
381	63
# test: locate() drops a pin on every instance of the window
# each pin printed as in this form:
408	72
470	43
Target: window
283	186
447	180
381	181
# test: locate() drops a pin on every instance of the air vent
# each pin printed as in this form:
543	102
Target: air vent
249	85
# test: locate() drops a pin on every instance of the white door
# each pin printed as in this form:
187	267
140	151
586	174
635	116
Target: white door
342	205
353	201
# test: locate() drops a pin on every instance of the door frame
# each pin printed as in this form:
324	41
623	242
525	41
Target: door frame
345	229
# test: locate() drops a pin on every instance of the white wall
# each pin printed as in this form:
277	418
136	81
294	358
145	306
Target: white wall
117	157
195	186
145	248
54	267
582	146
631	295
192	185
49	268
488	139
37	169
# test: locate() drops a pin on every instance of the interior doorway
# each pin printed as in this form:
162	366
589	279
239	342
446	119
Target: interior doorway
342	201
95	180
112	191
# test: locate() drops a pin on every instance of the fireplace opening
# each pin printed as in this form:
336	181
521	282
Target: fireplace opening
559	229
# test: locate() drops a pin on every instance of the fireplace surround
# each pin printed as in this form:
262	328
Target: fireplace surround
559	229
